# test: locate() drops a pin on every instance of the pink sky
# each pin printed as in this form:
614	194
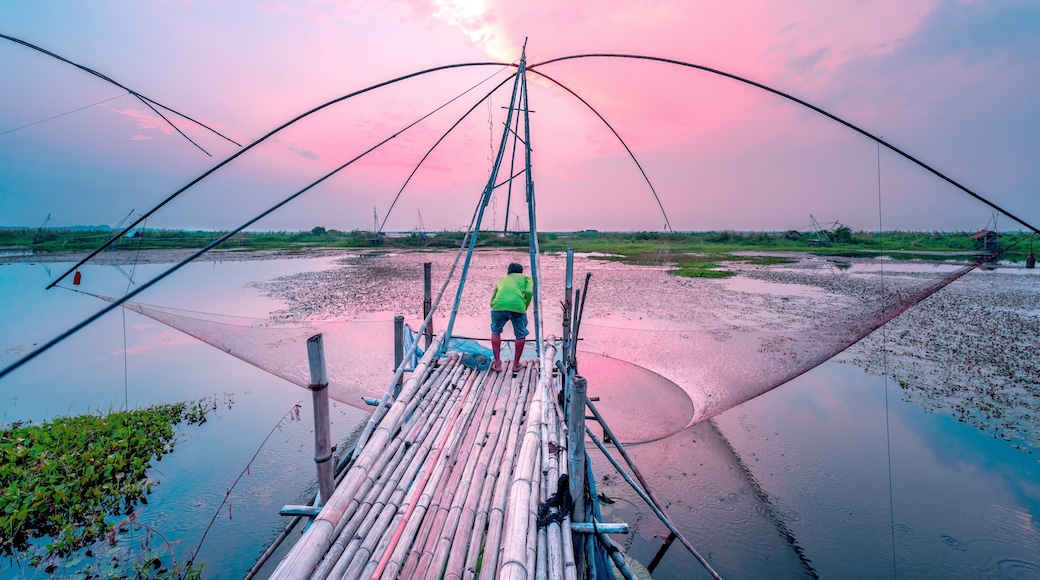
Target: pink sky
953	83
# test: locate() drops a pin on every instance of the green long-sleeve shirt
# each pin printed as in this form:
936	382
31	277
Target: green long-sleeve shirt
513	293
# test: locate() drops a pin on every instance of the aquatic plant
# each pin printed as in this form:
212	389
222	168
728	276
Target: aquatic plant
75	481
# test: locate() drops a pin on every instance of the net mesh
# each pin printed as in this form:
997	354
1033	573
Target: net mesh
729	365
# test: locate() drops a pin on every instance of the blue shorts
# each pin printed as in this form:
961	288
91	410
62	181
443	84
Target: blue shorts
519	319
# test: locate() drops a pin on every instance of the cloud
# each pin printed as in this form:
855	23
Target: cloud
142	138
146	121
305	153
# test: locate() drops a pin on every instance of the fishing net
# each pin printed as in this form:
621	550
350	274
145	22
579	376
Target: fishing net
678	373
733	364
355	369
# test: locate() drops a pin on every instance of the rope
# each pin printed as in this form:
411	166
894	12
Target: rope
438	142
291	413
884	362
557	506
63	114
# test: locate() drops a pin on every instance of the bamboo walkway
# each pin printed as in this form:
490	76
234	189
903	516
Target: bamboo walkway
450	484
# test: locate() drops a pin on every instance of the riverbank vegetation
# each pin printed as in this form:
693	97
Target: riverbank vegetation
71	488
691	253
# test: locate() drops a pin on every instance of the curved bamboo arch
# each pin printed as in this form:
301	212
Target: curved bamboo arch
147	101
807	105
266	136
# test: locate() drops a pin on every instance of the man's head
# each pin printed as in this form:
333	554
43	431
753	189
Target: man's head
515	268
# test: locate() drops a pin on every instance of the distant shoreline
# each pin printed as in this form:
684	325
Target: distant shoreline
169	256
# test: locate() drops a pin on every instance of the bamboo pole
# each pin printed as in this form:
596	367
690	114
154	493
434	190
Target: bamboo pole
576	445
500	494
501	431
532	516
515	563
653	505
568	305
305	555
441	518
406	529
570	567
615	555
424	419
554	537
377	521
541	570
322	427
648	492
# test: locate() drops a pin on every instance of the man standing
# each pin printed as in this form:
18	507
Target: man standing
509	301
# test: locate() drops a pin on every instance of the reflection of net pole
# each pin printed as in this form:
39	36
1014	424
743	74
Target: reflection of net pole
322	437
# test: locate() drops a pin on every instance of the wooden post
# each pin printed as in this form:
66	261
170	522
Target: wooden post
568	305
576	446
322	429
427	300
398	351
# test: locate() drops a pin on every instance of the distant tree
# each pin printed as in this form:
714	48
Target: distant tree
842	235
318	231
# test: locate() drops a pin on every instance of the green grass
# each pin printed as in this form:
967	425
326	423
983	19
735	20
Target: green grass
632	245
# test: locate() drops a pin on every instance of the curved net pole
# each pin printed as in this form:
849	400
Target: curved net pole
213	169
116	303
147	102
667	222
434	146
792	98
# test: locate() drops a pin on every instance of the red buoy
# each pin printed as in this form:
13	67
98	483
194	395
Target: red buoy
77	278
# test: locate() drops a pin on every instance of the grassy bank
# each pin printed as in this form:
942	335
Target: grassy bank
692	253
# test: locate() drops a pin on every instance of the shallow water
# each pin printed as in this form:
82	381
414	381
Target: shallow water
790	484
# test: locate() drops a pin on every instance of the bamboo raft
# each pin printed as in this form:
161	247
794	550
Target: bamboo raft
451	483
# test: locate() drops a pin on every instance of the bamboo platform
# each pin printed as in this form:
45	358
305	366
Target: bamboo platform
450	483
